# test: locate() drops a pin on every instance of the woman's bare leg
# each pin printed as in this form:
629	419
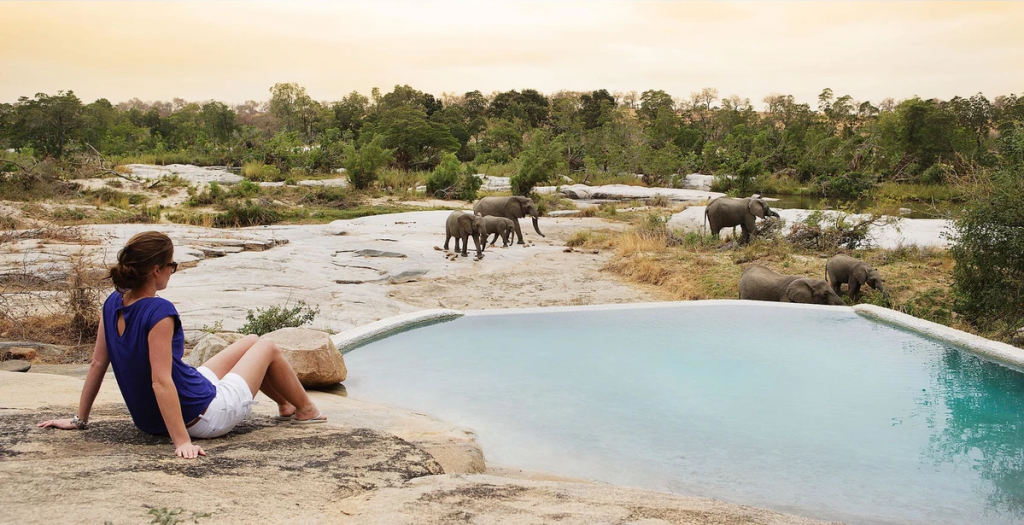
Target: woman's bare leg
226	359
263	362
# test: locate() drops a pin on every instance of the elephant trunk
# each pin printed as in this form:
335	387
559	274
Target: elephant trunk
535	227
835	300
773	213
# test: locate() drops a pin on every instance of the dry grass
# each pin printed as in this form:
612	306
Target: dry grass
689	266
67	317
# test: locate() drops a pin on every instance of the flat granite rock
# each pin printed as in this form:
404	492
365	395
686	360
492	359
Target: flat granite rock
14	365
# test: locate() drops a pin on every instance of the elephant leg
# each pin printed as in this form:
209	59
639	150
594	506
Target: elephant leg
494	240
854	288
519	231
477	239
745	238
837	286
465	245
447	237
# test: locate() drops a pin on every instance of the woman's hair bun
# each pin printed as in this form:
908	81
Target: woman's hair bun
142	253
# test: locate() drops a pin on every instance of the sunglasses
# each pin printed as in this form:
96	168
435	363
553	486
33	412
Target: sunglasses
173	265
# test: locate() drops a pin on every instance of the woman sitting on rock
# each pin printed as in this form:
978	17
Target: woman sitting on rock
140	334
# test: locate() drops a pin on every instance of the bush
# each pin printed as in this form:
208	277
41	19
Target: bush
260	172
246	189
210	195
537	163
266	320
362	164
239	215
849	185
449	181
988	243
831	231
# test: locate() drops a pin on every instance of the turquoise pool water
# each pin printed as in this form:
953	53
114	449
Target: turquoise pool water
817	412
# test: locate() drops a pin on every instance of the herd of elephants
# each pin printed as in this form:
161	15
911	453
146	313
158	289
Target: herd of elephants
500	216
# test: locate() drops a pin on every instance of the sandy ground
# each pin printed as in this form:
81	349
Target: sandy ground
368	464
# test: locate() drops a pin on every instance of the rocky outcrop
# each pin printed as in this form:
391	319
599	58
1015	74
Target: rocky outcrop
312	354
209	346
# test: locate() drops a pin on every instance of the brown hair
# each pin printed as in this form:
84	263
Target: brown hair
143	252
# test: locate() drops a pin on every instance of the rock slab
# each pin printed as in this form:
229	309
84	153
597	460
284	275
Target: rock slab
312	354
210	345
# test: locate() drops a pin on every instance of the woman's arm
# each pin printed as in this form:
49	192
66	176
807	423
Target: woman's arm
161	362
93	381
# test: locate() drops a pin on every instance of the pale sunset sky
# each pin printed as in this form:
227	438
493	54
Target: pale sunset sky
234	51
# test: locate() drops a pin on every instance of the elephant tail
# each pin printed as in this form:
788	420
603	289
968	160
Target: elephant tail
704	228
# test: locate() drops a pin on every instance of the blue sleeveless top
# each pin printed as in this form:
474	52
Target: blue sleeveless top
129	356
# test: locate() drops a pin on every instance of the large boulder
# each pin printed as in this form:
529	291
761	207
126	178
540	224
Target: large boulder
210	345
312	354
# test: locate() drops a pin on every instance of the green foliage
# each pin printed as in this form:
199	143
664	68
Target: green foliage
988	243
450	181
362	164
266	320
211	194
165	516
537	164
849	185
260	172
247	213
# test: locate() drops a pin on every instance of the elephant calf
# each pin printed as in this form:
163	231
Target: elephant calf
463	225
512	208
855	272
727	212
498	226
759	283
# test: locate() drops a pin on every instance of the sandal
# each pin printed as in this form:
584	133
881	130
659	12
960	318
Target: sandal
320	418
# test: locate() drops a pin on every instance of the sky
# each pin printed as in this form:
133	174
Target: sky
235	51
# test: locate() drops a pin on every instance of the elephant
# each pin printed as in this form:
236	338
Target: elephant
727	212
498	226
855	272
759	283
462	225
512	208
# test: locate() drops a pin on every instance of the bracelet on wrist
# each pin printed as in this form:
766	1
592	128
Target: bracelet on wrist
79	423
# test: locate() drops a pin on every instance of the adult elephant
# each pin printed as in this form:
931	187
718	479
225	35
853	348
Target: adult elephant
728	212
512	208
759	283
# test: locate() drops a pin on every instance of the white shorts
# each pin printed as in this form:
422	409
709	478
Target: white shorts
232	405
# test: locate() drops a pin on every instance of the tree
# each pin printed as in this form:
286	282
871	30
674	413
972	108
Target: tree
988	279
538	163
448	181
596	108
363	163
48	123
652	103
415	140
530	106
293	108
350	111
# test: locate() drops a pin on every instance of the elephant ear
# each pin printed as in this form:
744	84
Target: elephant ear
861	274
798	291
514	208
757	207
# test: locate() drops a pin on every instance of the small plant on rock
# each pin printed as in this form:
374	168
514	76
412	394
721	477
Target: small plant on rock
266	320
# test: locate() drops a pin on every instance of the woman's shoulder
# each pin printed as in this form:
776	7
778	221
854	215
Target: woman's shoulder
159	304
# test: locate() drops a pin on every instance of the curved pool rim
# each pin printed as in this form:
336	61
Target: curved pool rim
995	351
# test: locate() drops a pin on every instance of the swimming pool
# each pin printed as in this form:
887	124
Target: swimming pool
813	411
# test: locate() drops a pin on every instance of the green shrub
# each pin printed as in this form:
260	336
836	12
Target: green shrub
449	181
211	194
260	172
248	213
363	163
266	320
988	240
537	164
246	189
849	185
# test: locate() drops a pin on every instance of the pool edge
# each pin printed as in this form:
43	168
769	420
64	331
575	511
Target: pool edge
351	339
1002	353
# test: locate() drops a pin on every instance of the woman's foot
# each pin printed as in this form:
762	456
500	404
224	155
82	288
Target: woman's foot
308	414
285	412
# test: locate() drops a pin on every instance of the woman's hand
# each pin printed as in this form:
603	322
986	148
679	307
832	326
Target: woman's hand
63	424
189	451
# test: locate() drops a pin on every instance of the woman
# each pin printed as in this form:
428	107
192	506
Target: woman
140	335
